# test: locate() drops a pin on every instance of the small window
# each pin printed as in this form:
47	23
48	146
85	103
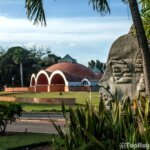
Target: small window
85	83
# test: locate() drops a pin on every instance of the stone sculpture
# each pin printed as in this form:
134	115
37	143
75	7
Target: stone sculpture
124	70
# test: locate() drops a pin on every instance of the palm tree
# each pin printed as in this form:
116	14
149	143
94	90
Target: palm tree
18	57
35	11
146	16
142	40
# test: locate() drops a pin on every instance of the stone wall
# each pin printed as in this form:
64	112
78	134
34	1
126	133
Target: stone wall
79	88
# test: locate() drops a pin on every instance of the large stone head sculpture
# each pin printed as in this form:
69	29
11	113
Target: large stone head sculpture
124	71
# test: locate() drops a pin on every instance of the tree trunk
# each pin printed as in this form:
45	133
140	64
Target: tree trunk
142	40
21	74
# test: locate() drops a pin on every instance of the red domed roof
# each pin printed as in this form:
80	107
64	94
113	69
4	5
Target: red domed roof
73	69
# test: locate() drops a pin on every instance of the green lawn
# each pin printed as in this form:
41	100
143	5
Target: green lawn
29	107
23	140
81	98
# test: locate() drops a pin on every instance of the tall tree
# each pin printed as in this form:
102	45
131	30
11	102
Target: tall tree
18	57
145	13
97	65
142	40
35	11
33	60
91	64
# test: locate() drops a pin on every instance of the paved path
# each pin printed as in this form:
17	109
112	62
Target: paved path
42	116
35	126
36	123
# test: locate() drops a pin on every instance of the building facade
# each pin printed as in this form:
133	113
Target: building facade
65	76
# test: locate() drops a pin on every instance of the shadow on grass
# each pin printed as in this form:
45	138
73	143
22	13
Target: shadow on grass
26	141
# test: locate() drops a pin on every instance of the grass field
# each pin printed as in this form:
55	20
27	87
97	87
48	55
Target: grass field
29	107
23	140
81	98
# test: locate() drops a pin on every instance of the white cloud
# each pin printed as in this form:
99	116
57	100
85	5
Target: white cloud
61	30
66	35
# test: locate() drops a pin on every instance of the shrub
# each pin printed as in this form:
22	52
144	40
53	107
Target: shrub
100	128
9	112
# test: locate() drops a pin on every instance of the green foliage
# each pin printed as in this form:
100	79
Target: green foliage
9	112
35	11
94	65
22	141
145	12
32	60
91	128
101	6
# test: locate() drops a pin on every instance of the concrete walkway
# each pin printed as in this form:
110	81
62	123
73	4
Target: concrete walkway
37	123
42	115
34	126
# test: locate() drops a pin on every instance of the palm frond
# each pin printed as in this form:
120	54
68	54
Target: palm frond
100	6
35	11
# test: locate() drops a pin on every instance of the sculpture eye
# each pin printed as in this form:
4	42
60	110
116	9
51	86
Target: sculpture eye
121	72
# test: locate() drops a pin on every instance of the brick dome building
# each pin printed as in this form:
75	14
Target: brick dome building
67	75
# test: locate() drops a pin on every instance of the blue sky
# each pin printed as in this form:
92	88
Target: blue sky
72	28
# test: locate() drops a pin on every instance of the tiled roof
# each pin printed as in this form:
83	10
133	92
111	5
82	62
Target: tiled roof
74	71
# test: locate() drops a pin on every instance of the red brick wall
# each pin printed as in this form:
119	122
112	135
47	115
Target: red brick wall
42	88
17	89
79	88
57	88
53	88
31	89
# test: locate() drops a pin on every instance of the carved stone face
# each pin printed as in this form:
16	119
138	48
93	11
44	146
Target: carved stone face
121	72
124	67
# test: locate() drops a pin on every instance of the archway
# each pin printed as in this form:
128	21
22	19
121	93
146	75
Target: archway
57	83
57	79
42	83
33	81
42	79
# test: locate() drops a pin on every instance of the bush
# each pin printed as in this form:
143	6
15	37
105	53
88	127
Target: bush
9	112
99	128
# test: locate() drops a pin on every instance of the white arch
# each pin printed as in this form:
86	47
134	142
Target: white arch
32	76
85	79
61	74
42	72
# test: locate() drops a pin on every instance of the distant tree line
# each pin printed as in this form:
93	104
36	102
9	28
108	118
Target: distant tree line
98	64
18	63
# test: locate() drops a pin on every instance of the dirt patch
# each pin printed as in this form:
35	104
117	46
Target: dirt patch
56	101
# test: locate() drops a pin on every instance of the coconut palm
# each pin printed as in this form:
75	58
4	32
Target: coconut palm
35	11
18	57
142	40
146	16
